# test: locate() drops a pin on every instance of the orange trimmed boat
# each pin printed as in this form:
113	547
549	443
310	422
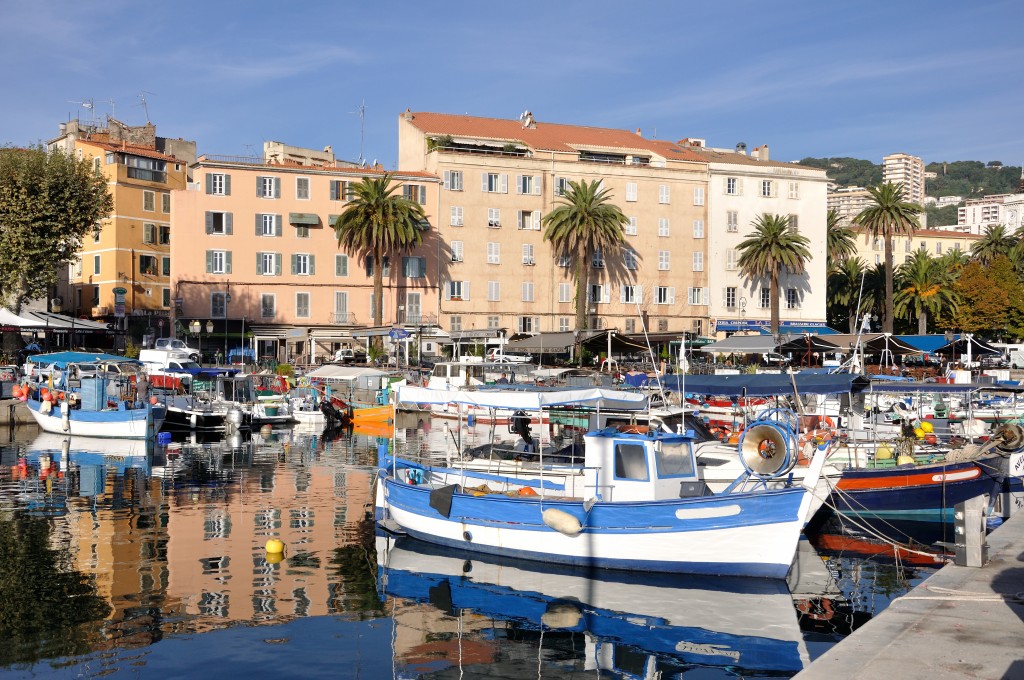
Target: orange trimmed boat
373	414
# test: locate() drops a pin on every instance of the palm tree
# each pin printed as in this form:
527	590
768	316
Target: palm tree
774	245
584	222
377	223
995	241
845	298
839	241
890	215
925	287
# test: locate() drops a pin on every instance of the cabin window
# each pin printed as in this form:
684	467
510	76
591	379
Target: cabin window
631	462
673	459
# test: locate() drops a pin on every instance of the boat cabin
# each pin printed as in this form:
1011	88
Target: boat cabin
235	388
630	463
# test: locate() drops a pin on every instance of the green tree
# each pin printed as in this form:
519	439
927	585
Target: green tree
839	241
890	215
991	298
942	216
773	246
584	222
48	203
924	288
379	223
994	242
845	292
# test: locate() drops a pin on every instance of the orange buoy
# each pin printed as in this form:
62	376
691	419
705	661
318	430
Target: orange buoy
153	400
527	491
16	391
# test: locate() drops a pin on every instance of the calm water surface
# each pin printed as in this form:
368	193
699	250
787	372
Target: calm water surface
119	562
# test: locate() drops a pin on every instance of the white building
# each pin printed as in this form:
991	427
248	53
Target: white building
848	202
977	214
907	170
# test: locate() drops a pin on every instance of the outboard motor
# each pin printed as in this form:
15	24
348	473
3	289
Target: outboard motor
332	413
519	424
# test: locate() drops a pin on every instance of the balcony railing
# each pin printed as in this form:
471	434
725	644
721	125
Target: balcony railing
147	175
339	318
417	319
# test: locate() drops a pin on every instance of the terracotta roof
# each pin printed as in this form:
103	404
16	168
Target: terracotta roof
938	233
214	160
547	136
716	156
133	149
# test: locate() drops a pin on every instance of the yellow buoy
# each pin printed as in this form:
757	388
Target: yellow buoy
275	546
883	452
905	460
919	433
927	427
274	558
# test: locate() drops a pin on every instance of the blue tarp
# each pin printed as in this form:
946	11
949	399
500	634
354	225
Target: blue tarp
926	343
766	384
62	359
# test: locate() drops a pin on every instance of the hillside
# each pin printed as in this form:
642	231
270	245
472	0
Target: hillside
970	179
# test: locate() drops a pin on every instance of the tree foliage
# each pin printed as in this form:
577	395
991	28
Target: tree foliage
48	203
992	298
924	290
848	171
773	247
971	179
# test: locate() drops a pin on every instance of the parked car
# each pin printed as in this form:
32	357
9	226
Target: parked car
348	355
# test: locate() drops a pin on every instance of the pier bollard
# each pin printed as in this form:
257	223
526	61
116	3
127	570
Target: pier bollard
969	526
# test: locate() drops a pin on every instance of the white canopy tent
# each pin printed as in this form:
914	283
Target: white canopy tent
9	319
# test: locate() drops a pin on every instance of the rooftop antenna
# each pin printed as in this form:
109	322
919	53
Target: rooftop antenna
251	149
90	105
361	112
112	110
144	104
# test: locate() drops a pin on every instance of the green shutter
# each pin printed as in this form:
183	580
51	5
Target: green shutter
209	183
259	187
334	189
312	265
259	263
228	223
227	185
227	262
277	187
209	261
277	264
295	263
259	224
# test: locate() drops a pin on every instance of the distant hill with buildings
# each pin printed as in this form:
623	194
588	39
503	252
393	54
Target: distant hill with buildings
968	179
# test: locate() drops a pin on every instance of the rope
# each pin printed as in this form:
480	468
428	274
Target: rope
949	594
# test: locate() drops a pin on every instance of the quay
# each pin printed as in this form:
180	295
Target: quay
13	412
962	622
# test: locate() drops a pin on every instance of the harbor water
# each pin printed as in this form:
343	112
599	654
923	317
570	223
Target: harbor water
122	561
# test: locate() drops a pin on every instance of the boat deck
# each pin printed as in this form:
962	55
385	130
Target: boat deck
962	622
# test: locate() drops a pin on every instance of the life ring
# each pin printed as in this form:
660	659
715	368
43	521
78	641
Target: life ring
817	439
829	422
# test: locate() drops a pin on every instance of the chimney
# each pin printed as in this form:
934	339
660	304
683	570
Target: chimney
761	152
638	133
741	148
407	114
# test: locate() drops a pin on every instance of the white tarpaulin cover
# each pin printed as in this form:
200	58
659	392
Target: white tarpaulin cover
531	399
9	318
335	372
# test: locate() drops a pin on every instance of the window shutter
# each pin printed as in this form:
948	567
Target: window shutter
277	264
447	179
312	265
536	185
448	292
639	292
227	262
520	222
209	183
209	221
259	263
465	290
606	293
338	265
259	187
671	295
483	183
335	189
706	296
228	223
295	263
278	221
227	185
622	293
209	261
536	220
259	224
503	180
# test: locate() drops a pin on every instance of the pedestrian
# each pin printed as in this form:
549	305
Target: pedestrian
503	380
142	388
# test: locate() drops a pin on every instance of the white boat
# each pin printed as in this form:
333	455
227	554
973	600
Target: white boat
642	506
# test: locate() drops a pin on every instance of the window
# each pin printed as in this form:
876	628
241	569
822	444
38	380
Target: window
629	259
527	291
494	183
698	261
528	185
218	261
561	186
698	296
494	217
665	295
528	254
493	291
417	193
218	184
794	190
302	188
268	264
218	305
698	228
456	216
219	223
457	290
663	260
341	306
631	294
493	322
630	191
564	260
268	187
165	297
938	248
630	325
493	253
97	164
631	462
165	266
631	227
792	298
453	180
268	305
341	265
877	245
731	259
414	267
302	305
455	323
730	297
97	231
599	294
598	261
301	231
766	297
733	187
565	292
165	203
303	264
878	259
268	225
148	233
527	324
95	296
456	251
96	265
663	226
663	194
564	323
149	201
698	195
529	219
340	191
732	221
794	221
165	235
767	188
147	265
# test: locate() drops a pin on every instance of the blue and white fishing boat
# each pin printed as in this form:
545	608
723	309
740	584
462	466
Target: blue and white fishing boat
641	504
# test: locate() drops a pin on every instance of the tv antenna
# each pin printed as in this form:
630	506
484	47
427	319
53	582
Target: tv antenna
87	104
111	102
251	149
361	112
144	104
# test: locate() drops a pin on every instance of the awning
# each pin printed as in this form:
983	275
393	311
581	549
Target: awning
978	348
9	319
926	343
303	218
742	344
873	343
765	384
807	343
527	398
765	326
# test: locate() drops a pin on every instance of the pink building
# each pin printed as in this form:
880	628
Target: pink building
256	254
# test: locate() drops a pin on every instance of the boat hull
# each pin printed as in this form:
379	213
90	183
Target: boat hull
127	424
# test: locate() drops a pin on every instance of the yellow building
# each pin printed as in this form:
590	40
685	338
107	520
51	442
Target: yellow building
936	242
129	252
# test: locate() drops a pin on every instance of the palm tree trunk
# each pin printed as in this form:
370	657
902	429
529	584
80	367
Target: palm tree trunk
922	322
378	293
582	299
887	322
775	304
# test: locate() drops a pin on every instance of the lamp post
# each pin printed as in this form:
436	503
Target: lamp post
195	329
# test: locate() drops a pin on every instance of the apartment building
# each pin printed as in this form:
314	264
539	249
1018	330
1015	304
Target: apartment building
501	177
742	188
124	266
936	242
908	170
848	202
257	255
977	214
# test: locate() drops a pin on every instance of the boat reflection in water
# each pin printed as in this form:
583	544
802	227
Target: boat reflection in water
452	608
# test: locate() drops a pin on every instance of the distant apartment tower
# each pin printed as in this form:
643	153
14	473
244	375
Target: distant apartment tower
907	170
848	202
977	214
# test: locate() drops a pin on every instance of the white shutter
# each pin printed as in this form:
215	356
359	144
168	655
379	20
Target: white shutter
639	293
671	295
536	220
606	293
519	183
447	179
536	185
483	185
707	296
503	183
622	293
448	291
465	290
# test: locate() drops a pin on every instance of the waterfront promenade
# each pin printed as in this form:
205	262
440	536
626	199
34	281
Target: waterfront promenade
962	622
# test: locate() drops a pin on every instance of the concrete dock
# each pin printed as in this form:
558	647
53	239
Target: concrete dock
962	622
13	411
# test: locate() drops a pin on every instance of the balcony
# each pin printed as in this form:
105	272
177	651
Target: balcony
342	318
147	175
101	311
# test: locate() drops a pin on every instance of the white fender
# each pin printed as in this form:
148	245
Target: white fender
562	522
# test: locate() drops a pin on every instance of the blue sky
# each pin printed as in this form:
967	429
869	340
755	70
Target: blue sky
942	80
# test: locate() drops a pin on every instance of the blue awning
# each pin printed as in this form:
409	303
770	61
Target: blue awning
926	343
764	327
